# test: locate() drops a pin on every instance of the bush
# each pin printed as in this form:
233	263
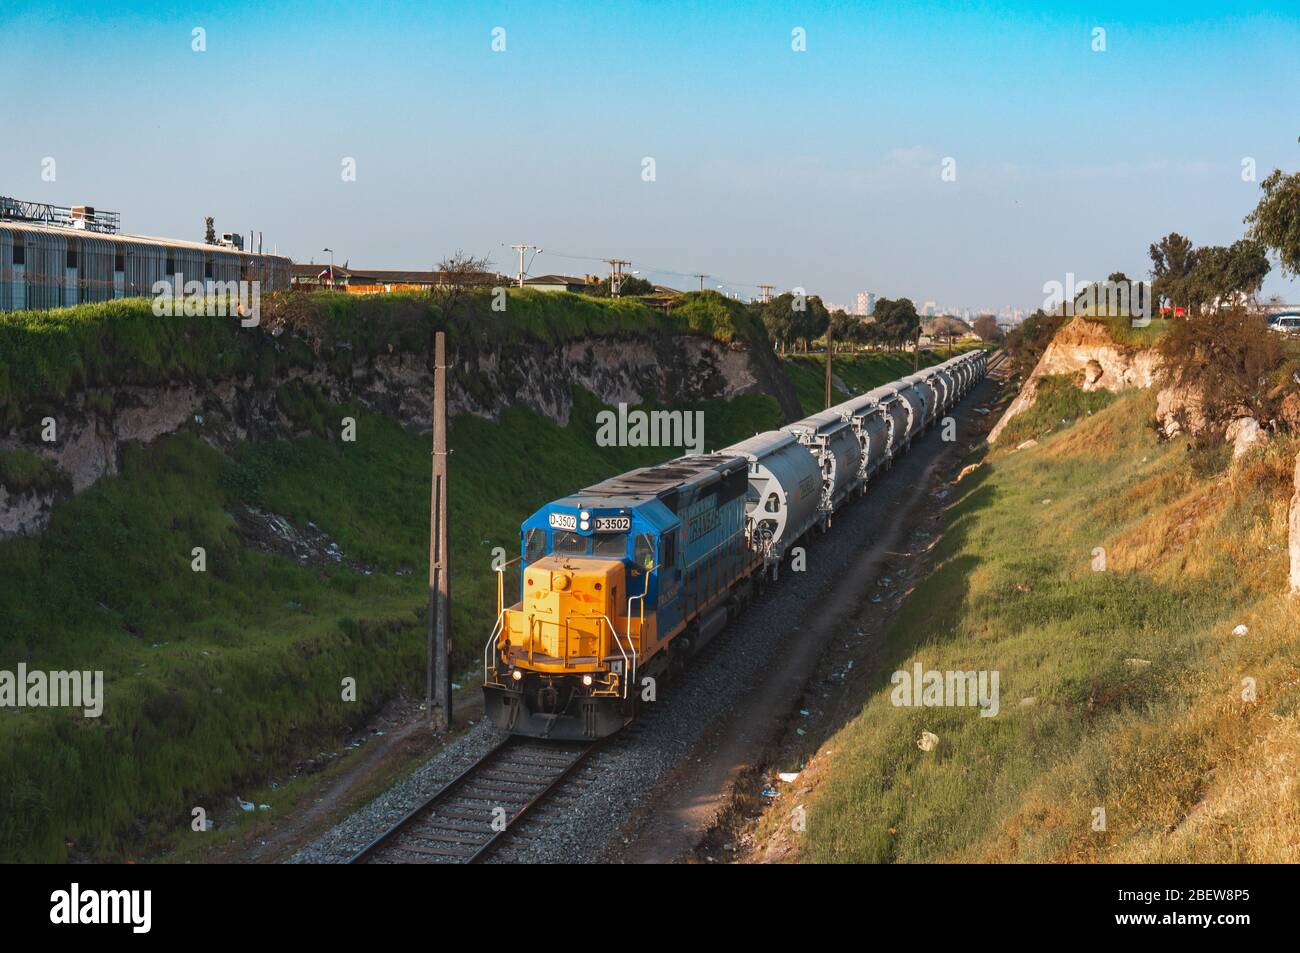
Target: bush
1232	362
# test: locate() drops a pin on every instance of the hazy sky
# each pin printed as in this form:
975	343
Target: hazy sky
820	169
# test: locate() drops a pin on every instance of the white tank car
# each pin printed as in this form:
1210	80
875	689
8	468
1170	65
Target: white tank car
784	496
935	386
897	416
964	368
916	395
960	368
870	422
834	445
947	377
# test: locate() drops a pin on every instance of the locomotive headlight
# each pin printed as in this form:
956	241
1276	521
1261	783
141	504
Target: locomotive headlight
586	680
584	516
516	675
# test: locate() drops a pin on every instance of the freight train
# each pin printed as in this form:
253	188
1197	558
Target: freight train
626	579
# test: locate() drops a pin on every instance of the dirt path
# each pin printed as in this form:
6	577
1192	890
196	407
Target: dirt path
691	800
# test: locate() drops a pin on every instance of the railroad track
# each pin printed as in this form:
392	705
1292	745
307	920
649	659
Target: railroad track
472	816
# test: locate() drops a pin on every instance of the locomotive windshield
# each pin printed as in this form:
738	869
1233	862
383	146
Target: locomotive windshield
569	544
609	545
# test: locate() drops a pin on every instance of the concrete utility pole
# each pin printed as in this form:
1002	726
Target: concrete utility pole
523	249
829	350
916	351
438	690
767	292
616	274
701	277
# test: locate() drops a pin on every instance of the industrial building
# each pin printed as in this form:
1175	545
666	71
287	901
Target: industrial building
55	257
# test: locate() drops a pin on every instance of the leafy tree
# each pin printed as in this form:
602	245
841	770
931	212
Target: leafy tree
850	328
1276	219
209	231
630	287
1227	274
1172	261
788	318
897	320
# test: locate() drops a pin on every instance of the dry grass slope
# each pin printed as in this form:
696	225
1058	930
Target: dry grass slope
1123	689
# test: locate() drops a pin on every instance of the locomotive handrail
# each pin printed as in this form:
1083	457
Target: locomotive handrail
492	640
629	664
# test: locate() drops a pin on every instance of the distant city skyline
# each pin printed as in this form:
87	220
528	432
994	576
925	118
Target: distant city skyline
399	136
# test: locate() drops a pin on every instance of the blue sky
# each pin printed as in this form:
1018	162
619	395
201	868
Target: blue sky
819	169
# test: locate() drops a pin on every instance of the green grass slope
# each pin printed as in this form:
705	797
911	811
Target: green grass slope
225	677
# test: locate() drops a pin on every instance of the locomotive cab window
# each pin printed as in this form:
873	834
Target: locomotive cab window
534	545
643	553
669	551
569	544
609	545
20	250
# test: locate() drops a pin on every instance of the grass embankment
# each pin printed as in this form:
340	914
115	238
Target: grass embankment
858	372
1121	682
223	679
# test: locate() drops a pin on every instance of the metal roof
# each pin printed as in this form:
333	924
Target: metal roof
123	238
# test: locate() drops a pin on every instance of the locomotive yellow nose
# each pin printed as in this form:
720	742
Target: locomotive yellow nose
568	609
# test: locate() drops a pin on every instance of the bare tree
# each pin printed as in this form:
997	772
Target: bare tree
456	277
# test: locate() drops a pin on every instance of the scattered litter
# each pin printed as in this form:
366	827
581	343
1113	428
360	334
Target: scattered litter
1240	630
804	712
877	599
769	791
788	776
243	805
885	581
800	731
1045	502
982	411
263	807
928	741
1028	444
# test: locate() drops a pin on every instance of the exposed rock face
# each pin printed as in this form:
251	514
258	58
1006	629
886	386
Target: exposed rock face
1086	348
1244	433
483	382
1293	535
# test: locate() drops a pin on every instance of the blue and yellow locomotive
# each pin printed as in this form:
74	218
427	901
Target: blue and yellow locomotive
619	581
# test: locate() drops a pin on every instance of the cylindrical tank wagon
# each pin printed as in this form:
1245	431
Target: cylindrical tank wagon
783	500
870	421
835	447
